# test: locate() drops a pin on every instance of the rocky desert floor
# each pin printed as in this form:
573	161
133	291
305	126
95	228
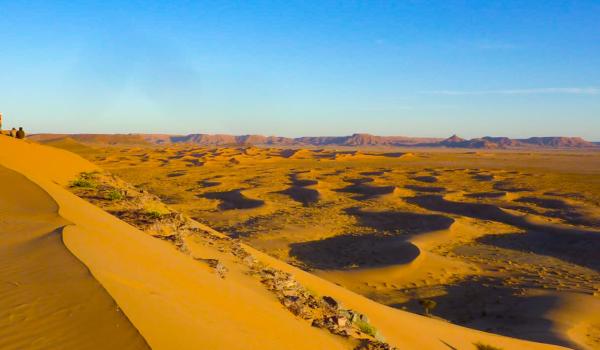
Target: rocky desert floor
503	241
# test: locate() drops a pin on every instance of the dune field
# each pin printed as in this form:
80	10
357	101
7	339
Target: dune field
76	276
504	242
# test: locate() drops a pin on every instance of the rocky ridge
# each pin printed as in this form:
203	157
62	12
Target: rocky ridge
355	140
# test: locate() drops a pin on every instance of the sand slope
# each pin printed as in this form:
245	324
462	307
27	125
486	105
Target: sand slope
48	298
172	301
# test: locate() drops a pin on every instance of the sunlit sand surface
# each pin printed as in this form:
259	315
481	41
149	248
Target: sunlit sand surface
504	243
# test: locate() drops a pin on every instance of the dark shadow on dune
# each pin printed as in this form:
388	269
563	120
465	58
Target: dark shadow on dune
575	217
474	210
487	305
350	251
426	178
375	173
176	174
510	186
194	162
548	203
306	196
360	180
234	200
395	154
523	209
581	250
562	210
490	212
483	177
570	195
553	240
302	182
492	194
398	221
206	183
364	190
429	189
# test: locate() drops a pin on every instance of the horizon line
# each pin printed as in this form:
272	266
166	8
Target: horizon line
299	137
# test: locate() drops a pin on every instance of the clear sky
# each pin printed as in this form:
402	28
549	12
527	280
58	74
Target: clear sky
295	68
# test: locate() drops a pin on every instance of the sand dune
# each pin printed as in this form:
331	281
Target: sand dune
492	212
306	196
48	298
491	255
366	191
234	199
170	298
172	302
491	194
354	251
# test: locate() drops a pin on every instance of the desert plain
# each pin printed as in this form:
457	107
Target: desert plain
502	241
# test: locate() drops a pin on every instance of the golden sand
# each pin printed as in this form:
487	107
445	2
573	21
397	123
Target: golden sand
175	302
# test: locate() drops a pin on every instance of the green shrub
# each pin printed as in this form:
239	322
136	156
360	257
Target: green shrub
366	328
85	180
481	346
83	183
114	195
154	214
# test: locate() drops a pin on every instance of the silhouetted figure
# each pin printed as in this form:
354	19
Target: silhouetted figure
21	133
0	122
13	132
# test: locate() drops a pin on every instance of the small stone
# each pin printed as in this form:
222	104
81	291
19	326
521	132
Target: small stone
331	302
290	293
318	323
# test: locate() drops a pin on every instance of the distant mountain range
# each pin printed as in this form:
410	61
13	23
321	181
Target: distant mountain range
355	140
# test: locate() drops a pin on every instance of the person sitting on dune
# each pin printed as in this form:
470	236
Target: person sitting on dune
20	133
13	132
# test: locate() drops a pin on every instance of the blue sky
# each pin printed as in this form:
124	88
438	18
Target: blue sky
295	68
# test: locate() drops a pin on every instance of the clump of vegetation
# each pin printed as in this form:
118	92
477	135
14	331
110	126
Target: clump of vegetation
154	214
481	346
428	305
83	183
366	328
114	195
85	180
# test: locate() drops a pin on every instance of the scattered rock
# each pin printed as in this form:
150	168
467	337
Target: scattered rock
219	268
331	302
373	345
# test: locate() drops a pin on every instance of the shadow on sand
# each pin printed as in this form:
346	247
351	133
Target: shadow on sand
365	191
488	306
581	250
352	251
234	200
566	243
306	196
399	221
